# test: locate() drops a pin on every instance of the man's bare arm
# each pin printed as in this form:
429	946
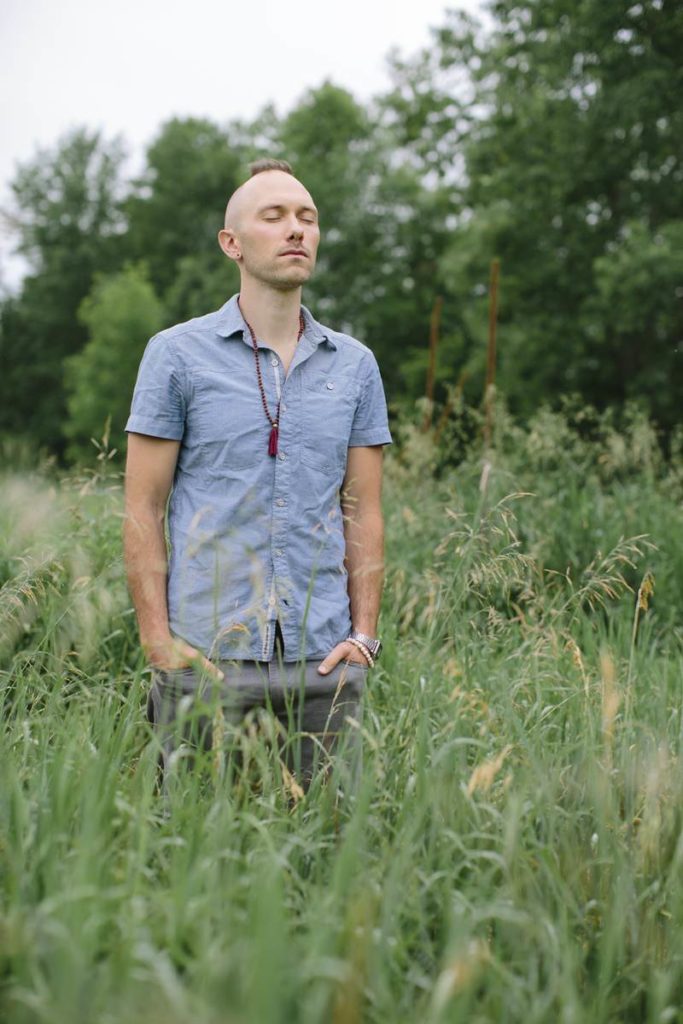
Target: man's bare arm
361	502
150	467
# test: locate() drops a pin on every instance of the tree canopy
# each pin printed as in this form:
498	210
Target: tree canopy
549	138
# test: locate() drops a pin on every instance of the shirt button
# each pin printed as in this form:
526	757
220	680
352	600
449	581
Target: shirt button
274	360
271	602
280	501
279	551
282	456
330	384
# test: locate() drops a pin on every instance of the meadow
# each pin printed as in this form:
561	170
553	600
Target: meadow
515	850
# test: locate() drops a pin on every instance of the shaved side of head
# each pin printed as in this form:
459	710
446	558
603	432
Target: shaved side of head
232	211
236	201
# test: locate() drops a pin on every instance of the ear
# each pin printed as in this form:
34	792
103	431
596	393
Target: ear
229	244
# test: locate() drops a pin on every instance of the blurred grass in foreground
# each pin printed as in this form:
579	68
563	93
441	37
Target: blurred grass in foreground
516	850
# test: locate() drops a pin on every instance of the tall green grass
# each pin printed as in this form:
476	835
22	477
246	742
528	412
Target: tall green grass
515	852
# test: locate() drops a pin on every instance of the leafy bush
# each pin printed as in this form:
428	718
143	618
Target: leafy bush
121	314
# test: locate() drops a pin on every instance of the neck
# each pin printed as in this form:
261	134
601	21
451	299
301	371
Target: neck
272	315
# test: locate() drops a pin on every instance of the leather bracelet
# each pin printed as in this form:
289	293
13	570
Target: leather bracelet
363	649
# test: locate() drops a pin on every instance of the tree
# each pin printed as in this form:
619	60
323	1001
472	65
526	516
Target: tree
120	315
67	201
176	207
382	230
202	282
574	153
635	315
585	141
68	220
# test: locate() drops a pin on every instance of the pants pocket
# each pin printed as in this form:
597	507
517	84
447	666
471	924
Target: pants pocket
353	672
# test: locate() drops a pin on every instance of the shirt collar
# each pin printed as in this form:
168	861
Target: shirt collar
231	322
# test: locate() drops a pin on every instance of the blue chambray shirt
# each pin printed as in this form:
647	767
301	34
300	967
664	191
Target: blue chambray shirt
255	538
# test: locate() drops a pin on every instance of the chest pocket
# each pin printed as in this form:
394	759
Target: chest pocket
328	406
229	418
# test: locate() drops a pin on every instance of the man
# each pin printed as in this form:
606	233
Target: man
266	429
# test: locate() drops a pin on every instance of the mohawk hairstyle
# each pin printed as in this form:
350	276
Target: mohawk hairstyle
268	164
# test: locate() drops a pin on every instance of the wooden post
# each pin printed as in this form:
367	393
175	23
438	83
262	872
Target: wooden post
491	353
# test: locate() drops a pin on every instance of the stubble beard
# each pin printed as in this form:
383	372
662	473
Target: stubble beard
280	279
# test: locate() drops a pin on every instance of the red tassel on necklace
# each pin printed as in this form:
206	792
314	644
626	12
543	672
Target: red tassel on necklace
272	441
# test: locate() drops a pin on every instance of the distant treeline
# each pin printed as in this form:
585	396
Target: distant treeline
552	140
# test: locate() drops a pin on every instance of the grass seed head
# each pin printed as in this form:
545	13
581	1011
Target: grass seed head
460	973
483	776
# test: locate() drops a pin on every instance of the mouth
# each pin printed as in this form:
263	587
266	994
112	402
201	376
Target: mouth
294	252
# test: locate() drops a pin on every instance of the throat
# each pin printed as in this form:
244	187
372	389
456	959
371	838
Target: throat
286	356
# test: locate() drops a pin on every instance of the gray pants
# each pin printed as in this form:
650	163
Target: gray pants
307	715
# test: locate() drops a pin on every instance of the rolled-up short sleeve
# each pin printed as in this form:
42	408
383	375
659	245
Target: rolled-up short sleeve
158	406
371	421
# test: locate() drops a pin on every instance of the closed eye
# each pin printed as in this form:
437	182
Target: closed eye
274	213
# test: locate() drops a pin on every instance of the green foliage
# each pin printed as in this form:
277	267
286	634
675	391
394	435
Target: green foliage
637	305
67	203
571	177
327	138
62	590
176	208
550	138
121	314
202	282
68	221
382	231
514	852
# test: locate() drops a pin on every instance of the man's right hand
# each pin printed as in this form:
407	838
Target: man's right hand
171	654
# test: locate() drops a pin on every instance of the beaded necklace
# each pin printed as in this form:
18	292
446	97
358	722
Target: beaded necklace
274	423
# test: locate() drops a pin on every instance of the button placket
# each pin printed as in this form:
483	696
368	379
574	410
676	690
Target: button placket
280	502
276	604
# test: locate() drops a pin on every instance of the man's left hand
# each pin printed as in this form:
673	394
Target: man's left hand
345	650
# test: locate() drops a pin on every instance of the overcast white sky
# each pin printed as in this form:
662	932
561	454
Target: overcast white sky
126	66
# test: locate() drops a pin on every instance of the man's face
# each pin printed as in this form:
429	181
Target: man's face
273	232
